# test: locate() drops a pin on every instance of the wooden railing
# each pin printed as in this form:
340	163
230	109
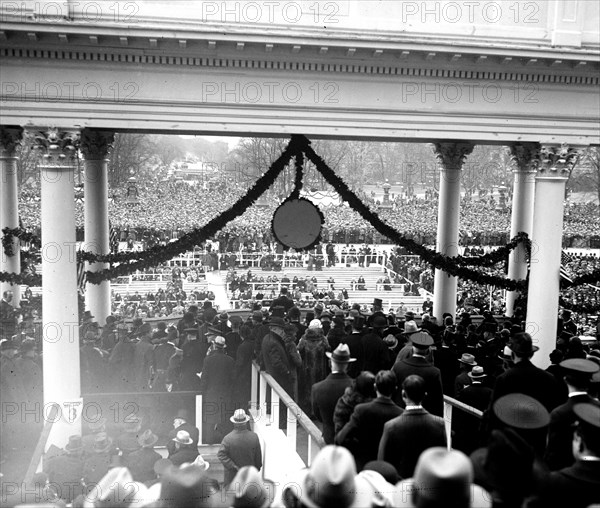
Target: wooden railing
449	405
266	398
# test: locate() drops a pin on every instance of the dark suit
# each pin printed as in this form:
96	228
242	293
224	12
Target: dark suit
434	400
215	386
466	427
407	436
324	396
446	359
577	486
524	377
141	464
66	471
560	433
186	453
239	448
361	435
376	353
355	345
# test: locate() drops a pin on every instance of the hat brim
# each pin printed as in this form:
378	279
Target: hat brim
478	376
183	442
472	364
233	420
147	444
104	449
348	360
480	498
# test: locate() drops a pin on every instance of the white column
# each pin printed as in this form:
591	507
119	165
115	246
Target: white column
450	158
9	204
544	274
525	160
95	146
59	286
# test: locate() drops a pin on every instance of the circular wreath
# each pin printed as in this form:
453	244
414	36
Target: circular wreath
297	224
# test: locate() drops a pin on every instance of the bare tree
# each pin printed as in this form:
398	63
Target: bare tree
129	156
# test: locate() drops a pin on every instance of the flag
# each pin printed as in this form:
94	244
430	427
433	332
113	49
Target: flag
565	259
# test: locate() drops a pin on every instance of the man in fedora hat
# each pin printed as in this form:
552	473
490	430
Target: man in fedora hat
141	462
94	427
215	387
577	374
419	365
127	441
249	490
332	481
462	380
181	421
66	470
406	436
465	427
185	450
98	464
441	478
239	448
524	377
188	486
325	394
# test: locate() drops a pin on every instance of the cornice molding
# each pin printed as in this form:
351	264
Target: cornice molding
385	68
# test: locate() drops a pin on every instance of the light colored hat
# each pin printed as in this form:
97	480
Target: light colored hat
220	342
467	359
411	327
183	437
315	324
250	490
440	475
117	489
341	354
239	417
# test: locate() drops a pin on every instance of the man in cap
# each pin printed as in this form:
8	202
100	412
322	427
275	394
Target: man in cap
215	387
239	448
524	377
406	436
419	365
325	394
577	375
361	435
578	486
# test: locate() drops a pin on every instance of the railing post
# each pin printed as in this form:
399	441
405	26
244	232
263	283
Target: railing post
254	389
199	416
291	426
448	423
262	398
275	401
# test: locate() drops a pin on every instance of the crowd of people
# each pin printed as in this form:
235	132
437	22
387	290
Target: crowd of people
167	209
374	383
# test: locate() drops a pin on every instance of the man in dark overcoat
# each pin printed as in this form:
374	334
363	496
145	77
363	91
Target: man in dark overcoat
325	394
215	386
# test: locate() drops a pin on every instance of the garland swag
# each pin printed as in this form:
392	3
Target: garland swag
298	147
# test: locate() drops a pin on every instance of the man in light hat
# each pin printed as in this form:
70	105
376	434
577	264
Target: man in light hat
462	380
181	421
442	478
215	387
419	365
239	448
249	490
577	375
524	377
185	450
325	394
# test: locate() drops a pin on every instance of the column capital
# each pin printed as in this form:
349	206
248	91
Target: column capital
58	147
525	157
95	144
557	160
10	139
450	155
